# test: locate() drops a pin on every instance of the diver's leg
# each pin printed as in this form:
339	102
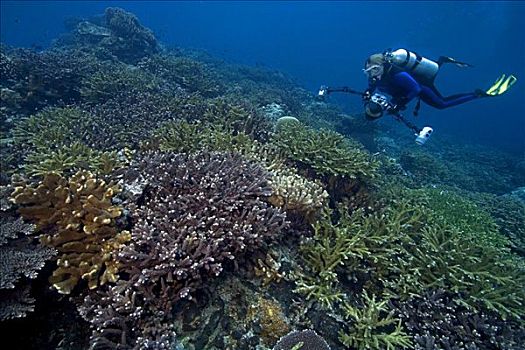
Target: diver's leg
433	98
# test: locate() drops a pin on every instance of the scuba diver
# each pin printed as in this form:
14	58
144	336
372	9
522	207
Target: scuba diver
405	75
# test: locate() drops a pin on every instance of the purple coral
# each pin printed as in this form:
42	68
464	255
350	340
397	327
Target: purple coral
198	213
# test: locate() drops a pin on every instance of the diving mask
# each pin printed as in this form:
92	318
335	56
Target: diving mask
373	71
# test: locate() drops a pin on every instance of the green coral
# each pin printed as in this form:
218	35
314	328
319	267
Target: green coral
334	249
414	243
51	128
71	158
113	80
326	152
371	326
185	137
509	215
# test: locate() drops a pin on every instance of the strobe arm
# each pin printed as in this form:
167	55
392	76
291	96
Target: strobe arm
325	90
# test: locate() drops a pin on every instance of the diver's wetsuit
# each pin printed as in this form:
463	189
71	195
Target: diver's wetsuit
403	88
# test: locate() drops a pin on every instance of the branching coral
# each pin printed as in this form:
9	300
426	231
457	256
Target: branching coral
114	79
128	118
197	215
86	237
371	326
51	128
70	159
119	320
437	320
199	212
325	152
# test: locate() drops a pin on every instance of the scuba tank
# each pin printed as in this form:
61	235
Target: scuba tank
421	68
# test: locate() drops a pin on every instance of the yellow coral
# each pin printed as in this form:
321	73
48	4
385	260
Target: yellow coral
81	210
293	192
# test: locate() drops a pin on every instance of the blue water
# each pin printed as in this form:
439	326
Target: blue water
327	43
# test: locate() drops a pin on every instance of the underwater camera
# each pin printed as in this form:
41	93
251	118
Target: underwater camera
376	105
424	135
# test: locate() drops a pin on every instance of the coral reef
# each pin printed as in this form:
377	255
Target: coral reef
197	215
325	152
208	205
297	194
437	320
80	209
19	257
37	79
369	326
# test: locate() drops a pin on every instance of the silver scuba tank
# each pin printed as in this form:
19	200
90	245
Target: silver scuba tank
419	67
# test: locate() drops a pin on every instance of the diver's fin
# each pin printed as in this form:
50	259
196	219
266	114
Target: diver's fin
494	88
507	84
445	59
501	85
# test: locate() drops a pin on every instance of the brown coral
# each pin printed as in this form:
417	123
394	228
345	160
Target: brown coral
81	211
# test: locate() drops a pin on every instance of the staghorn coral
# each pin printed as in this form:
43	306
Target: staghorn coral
128	118
509	215
80	209
302	340
370	325
181	136
71	159
295	193
423	248
119	320
325	152
51	128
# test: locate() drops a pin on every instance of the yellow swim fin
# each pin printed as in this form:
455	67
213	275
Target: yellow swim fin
501	85
494	88
507	84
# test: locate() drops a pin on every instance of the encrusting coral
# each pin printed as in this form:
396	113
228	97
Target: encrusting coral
81	211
